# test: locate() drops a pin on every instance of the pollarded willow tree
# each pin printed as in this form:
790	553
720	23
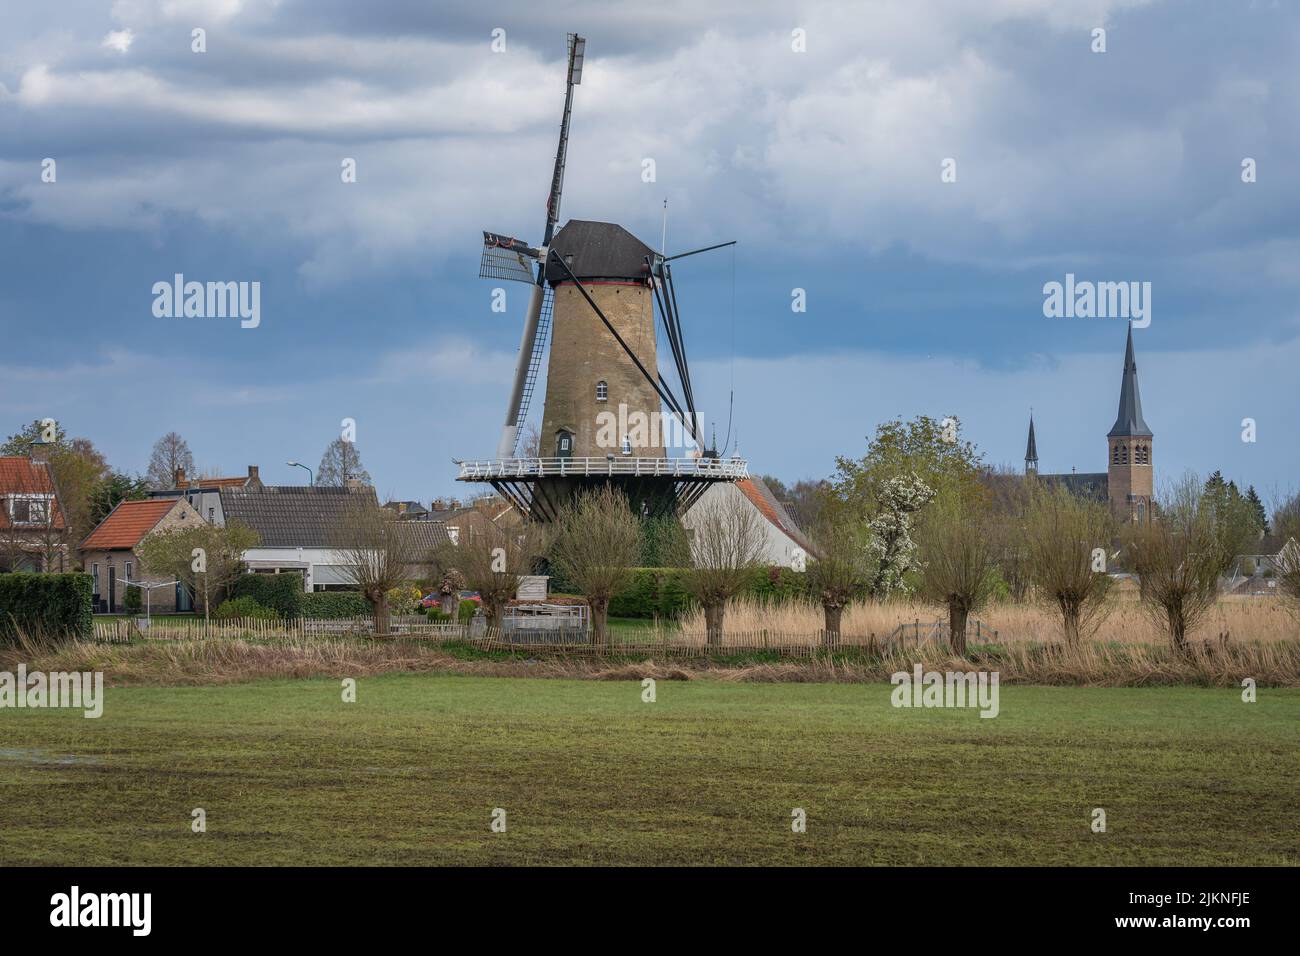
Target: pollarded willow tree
376	553
838	574
492	559
1181	556
959	544
726	547
595	544
1066	539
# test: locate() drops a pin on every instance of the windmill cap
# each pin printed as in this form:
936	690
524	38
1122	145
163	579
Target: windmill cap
598	250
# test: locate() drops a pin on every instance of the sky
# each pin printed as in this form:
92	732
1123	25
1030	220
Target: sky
919	169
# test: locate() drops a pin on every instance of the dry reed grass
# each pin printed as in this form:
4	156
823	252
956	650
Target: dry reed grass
1092	663
1245	619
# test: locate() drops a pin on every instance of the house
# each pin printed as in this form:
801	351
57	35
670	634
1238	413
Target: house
108	553
784	544
298	527
407	509
461	519
205	493
33	529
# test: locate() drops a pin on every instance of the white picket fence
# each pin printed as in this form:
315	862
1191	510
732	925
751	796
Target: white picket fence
125	630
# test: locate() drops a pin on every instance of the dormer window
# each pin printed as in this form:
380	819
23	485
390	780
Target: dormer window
27	510
602	391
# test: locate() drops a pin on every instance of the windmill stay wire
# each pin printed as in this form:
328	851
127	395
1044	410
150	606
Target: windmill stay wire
731	401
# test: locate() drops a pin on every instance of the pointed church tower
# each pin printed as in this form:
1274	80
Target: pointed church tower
1129	472
1031	450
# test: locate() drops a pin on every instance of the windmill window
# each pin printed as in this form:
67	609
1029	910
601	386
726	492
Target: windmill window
602	391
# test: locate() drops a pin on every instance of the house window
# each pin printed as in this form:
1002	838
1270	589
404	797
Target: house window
627	445
27	510
602	391
453	532
94	577
126	569
212	514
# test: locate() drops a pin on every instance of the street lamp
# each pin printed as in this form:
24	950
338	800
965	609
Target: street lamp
311	477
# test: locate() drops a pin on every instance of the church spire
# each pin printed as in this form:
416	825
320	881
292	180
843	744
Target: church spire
1031	449
1129	421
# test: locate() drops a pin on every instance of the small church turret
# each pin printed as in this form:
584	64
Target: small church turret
1031	450
1129	469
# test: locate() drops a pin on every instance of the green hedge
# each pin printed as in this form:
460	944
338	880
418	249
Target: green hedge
325	605
45	605
244	607
658	592
281	593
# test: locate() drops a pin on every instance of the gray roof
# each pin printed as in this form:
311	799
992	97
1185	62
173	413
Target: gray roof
292	516
599	250
1090	484
427	535
1129	421
1031	449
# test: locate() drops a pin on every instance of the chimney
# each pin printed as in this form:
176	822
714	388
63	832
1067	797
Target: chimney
354	484
180	477
252	474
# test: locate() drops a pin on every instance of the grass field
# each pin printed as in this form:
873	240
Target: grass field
587	773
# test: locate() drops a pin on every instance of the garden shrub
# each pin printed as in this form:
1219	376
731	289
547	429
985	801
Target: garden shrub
281	593
331	605
244	607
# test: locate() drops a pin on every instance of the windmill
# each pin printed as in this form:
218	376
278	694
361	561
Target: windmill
596	290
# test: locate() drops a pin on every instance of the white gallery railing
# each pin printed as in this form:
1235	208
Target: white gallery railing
733	469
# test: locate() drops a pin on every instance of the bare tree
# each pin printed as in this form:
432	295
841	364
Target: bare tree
1067	538
492	560
596	542
530	442
376	553
205	558
171	452
840	574
1180	557
341	462
959	549
727	539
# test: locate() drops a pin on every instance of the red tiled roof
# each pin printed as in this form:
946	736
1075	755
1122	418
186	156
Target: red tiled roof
762	498
128	523
23	476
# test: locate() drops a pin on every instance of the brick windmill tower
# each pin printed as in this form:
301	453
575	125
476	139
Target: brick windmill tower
610	416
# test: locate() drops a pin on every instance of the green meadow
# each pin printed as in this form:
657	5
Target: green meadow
709	773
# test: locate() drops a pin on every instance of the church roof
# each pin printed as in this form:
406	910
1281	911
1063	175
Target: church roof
1129	422
1031	449
1091	484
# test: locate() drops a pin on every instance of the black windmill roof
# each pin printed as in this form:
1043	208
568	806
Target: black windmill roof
1129	423
1031	449
599	250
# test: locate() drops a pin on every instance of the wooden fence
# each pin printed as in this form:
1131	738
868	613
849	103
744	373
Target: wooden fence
125	630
